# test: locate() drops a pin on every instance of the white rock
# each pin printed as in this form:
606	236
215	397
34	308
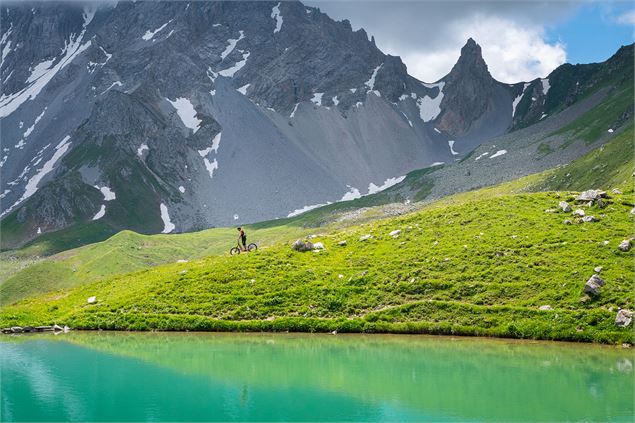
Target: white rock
365	237
578	212
564	206
395	233
342	243
545	307
623	318
91	300
318	246
624	245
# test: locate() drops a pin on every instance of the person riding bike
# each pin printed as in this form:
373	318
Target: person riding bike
242	238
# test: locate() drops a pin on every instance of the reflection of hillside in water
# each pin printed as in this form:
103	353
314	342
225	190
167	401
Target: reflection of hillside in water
464	378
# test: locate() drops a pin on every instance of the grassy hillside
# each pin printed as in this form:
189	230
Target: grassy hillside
470	266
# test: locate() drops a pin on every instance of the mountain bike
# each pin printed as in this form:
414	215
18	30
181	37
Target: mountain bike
237	250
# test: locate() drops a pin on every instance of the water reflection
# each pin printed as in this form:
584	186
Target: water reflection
159	377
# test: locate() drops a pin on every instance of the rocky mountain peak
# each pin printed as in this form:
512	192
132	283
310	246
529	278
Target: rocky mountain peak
470	62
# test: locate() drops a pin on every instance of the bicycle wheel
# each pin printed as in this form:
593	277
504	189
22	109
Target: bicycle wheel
234	250
252	247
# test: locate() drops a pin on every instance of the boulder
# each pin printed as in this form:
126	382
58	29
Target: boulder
568	222
365	237
564	206
57	328
589	219
597	269
624	245
616	191
91	300
318	246
591	195
593	285
578	212
623	318
16	329
342	243
395	233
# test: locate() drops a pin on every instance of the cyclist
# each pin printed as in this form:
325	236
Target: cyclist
242	238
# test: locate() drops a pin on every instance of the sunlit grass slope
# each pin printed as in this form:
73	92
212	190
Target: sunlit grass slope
472	266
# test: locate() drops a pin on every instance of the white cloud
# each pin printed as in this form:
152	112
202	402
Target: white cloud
627	18
428	35
512	52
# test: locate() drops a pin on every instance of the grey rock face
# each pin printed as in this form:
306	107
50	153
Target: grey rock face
200	114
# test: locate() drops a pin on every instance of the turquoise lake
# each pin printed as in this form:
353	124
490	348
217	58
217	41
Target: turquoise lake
103	376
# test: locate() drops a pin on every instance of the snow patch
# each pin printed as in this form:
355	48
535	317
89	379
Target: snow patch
353	90
141	149
243	89
498	153
168	226
481	156
182	189
275	14
9	103
371	82
610	130
317	98
100	213
517	99
295	109
373	189
32	185
544	115
545	85
305	209
231	44
32	127
186	112
210	166
229	72
335	101
451	145
437	131
114	84
436	164
108	194
214	147
429	108
149	35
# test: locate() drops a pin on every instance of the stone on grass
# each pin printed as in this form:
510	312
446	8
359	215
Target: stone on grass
568	222
591	195
616	191
593	285
564	206
318	246
365	237
545	307
625	245
342	243
623	318
589	219
597	269
91	300
301	246
578	212
395	233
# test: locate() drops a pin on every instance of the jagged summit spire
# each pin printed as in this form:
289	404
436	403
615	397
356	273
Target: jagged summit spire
471	58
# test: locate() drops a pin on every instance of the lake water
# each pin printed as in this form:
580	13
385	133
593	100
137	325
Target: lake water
291	377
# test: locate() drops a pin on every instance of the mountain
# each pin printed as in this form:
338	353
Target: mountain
174	116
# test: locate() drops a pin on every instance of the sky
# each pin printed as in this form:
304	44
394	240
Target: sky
521	40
